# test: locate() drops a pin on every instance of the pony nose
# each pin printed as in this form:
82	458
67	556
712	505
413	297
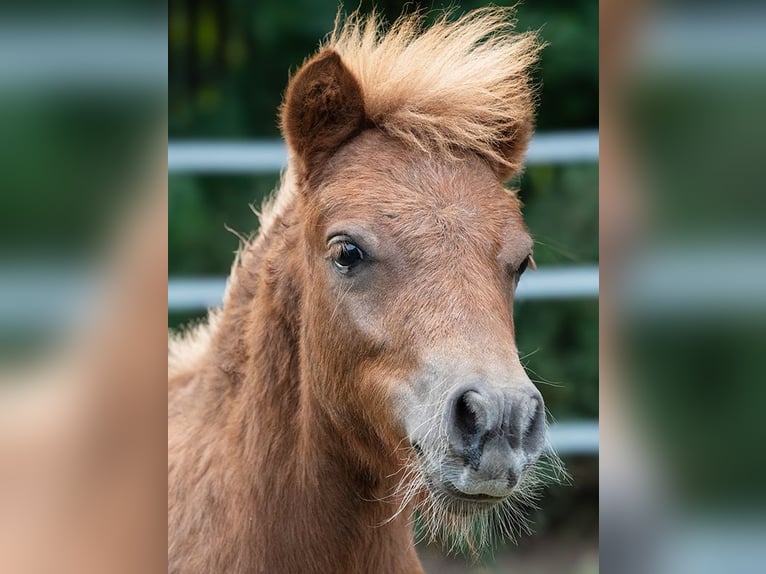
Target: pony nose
497	431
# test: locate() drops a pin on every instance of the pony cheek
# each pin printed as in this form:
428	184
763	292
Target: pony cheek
361	315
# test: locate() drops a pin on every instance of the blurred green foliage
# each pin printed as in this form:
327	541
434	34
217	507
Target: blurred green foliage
67	165
230	61
229	65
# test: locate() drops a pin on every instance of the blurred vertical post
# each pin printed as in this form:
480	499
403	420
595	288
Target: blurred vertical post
83	263
683	286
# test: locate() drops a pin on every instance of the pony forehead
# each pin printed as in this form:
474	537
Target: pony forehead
452	84
379	174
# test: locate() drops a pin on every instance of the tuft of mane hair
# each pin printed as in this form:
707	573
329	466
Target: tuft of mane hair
462	83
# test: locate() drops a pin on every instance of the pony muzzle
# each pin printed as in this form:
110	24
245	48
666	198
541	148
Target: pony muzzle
493	435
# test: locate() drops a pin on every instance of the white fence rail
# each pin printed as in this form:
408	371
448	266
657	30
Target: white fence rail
547	283
83	54
243	157
574	438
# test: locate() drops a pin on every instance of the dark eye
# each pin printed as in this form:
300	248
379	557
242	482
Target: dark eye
523	267
528	262
346	255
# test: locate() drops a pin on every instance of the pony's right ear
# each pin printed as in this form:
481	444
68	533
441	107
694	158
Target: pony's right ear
323	109
512	146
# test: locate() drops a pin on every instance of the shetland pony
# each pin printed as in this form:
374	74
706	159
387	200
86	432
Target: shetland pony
363	366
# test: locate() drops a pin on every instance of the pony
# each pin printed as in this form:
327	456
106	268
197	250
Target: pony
363	365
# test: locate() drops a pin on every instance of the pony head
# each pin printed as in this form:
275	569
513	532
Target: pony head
399	144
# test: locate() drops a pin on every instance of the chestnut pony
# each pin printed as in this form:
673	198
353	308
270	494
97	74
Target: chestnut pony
363	366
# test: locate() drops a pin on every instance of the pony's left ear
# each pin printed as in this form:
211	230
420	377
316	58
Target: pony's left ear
323	109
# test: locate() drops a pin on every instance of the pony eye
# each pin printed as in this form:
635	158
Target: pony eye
346	255
523	267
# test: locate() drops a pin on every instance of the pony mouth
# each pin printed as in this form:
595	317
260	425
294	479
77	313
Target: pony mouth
449	493
446	491
458	494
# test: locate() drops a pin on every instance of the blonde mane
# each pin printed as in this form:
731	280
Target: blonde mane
463	83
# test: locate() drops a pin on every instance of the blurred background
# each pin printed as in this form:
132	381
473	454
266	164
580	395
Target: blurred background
83	324
229	66
683	286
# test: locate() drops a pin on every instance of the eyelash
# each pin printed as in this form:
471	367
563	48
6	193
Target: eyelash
346	254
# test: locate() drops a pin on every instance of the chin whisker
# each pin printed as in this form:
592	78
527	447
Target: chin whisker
469	528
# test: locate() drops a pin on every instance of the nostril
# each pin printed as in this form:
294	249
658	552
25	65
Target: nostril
466	417
534	435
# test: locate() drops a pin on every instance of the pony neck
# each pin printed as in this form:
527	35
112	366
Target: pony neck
310	484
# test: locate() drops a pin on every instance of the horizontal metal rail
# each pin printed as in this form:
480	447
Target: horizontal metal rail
551	283
574	438
88	54
270	156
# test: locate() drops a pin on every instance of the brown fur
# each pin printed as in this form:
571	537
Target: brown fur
282	443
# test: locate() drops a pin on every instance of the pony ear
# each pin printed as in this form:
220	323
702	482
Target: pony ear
323	109
512	147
